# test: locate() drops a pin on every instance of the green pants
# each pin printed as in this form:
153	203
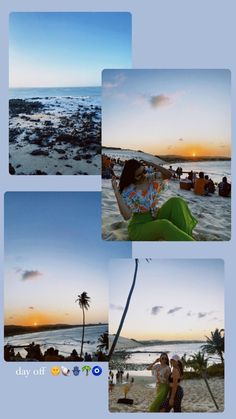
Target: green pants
174	222
162	393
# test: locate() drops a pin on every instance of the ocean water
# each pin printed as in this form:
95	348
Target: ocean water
148	354
214	169
92	93
65	340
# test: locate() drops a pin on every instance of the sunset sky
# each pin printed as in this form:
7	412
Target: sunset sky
174	299
53	252
166	112
61	49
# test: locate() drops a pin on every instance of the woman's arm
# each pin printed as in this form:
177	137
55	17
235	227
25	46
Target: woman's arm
151	365
166	174
124	210
176	377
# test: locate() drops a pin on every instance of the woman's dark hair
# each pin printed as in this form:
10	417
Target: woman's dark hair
167	358
128	173
181	368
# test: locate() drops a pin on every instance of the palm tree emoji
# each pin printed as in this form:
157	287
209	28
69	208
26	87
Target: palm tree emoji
83	301
86	368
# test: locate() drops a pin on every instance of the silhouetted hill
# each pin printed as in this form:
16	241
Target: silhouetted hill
183	159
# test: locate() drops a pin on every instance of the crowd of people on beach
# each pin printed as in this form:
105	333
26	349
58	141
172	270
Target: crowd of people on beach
34	353
201	183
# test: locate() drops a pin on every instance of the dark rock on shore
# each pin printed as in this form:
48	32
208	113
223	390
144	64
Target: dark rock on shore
11	170
60	150
39	172
17	106
39	152
14	133
63	136
67	138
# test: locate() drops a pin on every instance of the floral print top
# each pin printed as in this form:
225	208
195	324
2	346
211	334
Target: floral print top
141	201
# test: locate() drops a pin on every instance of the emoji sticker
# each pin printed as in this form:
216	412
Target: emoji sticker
55	370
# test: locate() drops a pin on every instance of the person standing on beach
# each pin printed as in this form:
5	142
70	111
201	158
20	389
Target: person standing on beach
176	392
160	368
138	199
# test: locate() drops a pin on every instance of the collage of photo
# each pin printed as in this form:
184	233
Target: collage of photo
160	142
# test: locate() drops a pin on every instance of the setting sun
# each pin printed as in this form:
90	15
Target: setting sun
194	155
35	324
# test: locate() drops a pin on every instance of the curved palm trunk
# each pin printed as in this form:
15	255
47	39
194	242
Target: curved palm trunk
124	313
209	389
82	340
221	357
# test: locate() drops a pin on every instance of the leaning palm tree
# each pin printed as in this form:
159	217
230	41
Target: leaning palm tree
215	344
103	342
125	312
198	363
83	301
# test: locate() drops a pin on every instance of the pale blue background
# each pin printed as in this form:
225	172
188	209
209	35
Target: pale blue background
166	34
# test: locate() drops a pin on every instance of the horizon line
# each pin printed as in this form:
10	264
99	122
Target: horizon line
169	155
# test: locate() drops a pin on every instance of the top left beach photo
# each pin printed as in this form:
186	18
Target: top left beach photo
55	65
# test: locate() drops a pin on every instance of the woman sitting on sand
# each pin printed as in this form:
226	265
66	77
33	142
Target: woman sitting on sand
138	197
176	392
160	368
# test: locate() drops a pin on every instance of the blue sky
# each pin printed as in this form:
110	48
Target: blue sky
54	251
183	112
66	49
172	299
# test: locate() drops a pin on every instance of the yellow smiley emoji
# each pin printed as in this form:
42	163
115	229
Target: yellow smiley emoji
55	370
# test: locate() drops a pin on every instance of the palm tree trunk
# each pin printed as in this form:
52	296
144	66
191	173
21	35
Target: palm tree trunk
209	389
221	357
124	313
82	341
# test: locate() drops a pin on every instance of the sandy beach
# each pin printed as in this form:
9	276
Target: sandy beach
212	212
196	396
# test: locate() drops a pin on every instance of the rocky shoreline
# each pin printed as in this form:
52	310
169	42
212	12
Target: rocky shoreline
54	136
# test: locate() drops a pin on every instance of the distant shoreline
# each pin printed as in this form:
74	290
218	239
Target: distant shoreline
169	158
13	330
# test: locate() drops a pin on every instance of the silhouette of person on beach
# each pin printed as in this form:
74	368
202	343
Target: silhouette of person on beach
224	188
